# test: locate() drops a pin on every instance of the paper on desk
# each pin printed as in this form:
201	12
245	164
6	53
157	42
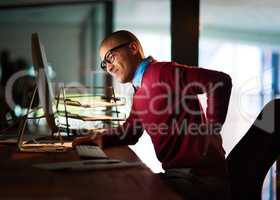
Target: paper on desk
98	164
46	144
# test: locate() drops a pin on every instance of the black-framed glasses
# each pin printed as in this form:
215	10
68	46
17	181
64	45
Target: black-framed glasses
109	57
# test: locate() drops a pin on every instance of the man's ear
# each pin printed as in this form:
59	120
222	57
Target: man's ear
134	47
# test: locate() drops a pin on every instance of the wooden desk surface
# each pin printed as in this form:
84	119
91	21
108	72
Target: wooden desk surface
19	180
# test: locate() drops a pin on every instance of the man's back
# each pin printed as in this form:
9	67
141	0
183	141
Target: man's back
168	107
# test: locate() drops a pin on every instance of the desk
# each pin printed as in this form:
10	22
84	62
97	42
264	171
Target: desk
19	180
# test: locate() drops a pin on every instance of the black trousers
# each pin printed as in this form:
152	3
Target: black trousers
193	187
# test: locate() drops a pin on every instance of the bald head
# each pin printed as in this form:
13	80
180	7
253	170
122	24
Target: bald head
121	53
117	38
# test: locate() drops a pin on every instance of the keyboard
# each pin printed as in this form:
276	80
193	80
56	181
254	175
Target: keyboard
90	151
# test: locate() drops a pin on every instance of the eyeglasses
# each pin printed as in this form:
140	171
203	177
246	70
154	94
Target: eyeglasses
109	57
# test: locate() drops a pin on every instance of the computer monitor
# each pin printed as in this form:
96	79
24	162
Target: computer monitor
43	84
45	92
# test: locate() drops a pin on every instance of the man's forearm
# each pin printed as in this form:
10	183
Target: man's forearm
126	134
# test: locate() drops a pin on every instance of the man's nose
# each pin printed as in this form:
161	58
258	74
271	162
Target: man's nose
110	67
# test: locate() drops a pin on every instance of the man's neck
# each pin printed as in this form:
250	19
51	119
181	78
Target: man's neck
140	70
139	60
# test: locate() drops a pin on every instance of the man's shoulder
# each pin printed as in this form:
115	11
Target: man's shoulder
158	71
154	69
166	69
166	65
157	64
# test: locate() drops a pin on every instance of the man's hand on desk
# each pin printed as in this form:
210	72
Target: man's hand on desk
95	139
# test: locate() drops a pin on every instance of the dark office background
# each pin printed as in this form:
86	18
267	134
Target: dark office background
237	37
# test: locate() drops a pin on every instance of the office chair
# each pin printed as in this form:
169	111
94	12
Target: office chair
252	157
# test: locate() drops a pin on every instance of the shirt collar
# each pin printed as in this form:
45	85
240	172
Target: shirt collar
140	70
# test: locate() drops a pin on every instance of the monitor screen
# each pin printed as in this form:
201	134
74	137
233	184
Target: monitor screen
43	84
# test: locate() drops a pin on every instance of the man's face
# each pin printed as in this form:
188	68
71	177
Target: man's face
119	60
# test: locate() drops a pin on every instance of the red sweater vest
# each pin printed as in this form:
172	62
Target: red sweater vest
167	107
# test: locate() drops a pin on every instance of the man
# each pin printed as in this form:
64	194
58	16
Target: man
165	104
